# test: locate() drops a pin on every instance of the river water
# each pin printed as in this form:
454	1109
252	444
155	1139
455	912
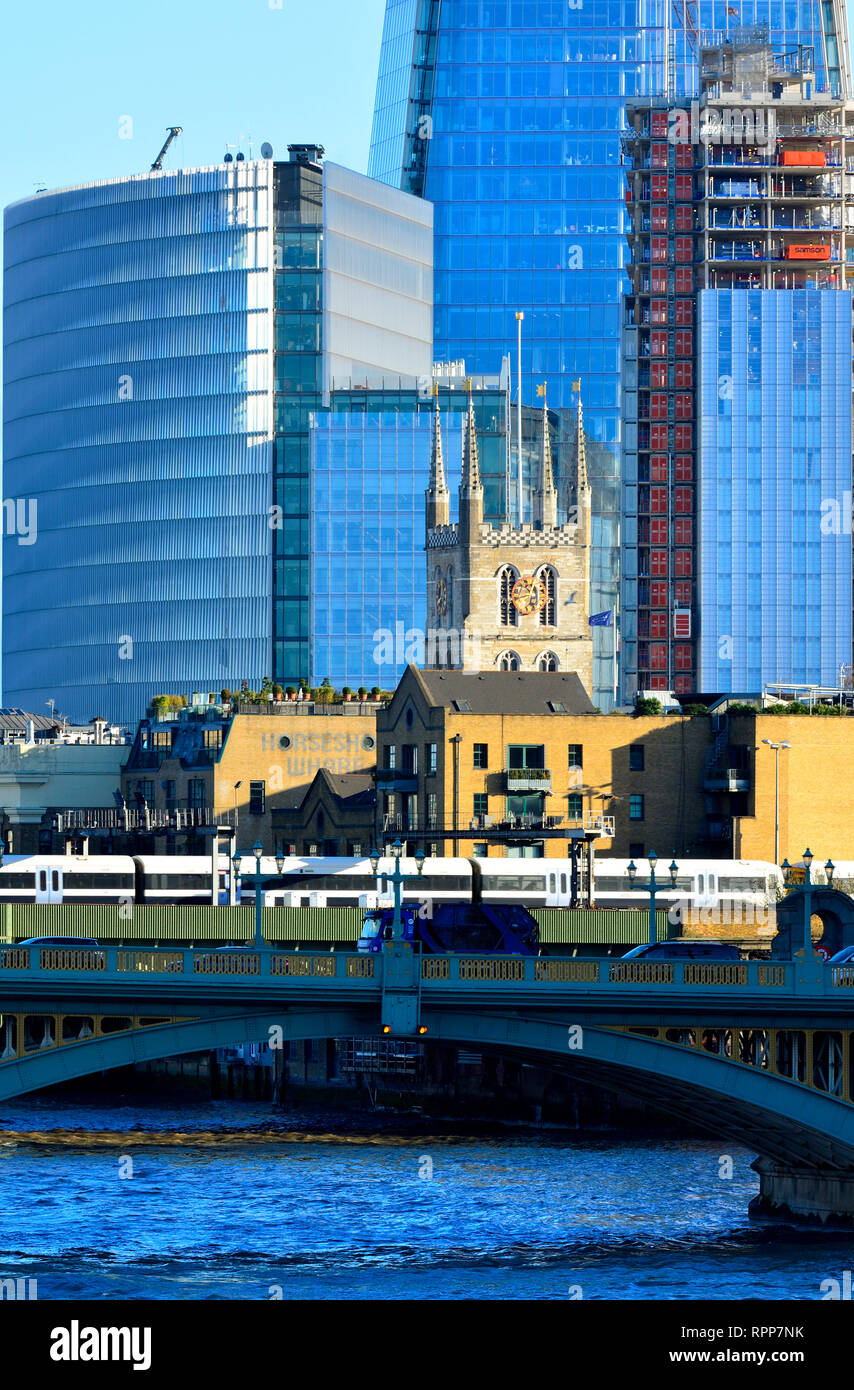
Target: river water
219	1200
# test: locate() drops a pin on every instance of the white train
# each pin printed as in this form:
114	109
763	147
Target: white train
322	882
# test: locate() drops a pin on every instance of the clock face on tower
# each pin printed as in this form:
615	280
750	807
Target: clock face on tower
528	594
441	597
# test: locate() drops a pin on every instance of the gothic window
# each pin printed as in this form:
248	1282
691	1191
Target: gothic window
508	661
547	662
507	613
450	618
548	579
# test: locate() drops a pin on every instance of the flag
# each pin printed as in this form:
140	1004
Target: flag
730	9
576	385
600	619
541	390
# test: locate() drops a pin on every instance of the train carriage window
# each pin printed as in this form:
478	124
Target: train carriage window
515	883
96	880
166	882
43	880
12	880
551	883
742	885
563	883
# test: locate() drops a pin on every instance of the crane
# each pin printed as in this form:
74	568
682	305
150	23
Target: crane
174	131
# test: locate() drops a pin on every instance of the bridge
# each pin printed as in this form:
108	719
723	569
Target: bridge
757	1052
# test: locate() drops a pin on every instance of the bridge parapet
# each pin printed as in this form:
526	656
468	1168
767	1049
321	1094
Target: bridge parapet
283	974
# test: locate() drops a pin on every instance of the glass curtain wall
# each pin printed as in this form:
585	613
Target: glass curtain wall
775	494
298	371
509	122
137	439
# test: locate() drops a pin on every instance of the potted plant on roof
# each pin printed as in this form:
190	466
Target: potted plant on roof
346	692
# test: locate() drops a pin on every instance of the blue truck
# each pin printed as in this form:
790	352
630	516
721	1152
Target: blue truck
476	928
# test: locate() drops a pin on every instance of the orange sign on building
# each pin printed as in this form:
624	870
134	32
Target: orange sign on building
803	252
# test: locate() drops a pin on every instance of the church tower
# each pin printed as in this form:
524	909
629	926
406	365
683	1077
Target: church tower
513	598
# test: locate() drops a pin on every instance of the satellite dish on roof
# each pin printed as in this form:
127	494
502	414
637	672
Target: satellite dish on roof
266	150
228	158
240	155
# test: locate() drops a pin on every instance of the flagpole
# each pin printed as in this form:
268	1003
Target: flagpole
615	651
519	488
616	609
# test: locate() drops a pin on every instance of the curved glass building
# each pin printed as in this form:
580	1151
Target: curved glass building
137	432
168	338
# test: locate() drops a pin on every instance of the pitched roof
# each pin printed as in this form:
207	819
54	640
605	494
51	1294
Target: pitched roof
15	720
349	787
506	692
350	790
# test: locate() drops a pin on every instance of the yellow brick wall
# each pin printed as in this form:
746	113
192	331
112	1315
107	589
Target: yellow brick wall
671	783
254	752
816	787
674	755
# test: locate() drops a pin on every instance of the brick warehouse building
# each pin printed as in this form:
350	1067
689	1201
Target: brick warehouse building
461	755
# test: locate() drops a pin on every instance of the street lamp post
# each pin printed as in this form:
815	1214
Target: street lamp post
776	747
257	850
397	879
653	887
808	858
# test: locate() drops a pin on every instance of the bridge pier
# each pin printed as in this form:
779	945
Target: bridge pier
803	1196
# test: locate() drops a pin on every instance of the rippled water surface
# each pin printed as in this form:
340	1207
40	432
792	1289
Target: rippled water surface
226	1201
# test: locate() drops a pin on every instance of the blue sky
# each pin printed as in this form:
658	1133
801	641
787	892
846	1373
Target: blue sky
224	70
278	70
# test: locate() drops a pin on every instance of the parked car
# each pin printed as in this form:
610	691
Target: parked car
88	941
683	950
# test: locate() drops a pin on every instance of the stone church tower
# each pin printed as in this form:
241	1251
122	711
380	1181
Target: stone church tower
505	598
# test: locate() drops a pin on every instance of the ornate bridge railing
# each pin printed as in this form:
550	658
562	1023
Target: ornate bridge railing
232	963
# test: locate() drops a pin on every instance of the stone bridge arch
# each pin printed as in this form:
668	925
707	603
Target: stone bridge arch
787	1123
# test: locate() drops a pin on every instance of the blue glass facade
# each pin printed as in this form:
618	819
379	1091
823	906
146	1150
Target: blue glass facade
167	340
775	492
370	468
369	474
521	157
138	419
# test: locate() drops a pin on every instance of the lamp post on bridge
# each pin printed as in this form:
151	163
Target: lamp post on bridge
257	850
653	887
397	879
829	870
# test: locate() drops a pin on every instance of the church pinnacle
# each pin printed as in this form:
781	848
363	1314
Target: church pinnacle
471	488
545	501
582	477
438	502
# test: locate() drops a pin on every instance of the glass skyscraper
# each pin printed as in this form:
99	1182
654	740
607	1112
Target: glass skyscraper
507	115
167	339
775	493
138	422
